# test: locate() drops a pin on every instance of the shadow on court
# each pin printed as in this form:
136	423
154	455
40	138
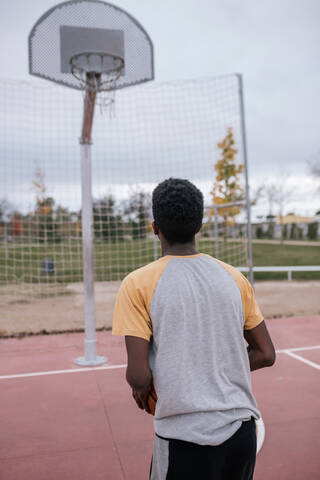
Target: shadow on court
60	421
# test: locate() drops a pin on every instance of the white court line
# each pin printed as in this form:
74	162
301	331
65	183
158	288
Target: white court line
111	367
304	360
298	349
55	372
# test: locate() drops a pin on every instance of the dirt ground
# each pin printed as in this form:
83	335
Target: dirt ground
30	314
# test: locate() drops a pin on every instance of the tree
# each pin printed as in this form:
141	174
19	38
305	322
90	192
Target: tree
284	231
107	225
46	229
4	215
16	225
270	191
293	231
312	231
283	195
278	194
139	211
227	187
65	221
4	210
270	231
313	167
259	232
39	185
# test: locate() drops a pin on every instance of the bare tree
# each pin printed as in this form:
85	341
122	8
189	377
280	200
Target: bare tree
277	194
283	194
138	209
271	194
313	167
107	224
5	209
256	194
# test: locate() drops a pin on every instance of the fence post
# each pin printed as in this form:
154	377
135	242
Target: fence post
216	233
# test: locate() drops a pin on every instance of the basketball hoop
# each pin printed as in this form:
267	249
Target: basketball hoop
98	72
104	67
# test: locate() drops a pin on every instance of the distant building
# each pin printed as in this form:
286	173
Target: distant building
293	226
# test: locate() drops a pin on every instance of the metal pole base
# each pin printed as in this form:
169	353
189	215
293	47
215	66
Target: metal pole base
82	362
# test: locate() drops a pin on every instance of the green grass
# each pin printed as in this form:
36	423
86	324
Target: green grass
113	261
22	263
285	255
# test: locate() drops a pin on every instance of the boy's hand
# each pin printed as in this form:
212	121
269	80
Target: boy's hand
141	397
138	373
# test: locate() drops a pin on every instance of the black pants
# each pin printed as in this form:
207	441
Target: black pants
232	460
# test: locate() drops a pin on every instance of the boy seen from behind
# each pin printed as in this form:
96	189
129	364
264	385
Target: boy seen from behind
185	318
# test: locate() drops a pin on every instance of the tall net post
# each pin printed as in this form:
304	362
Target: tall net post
245	160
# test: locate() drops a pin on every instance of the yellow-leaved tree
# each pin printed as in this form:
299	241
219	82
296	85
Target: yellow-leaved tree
227	187
45	226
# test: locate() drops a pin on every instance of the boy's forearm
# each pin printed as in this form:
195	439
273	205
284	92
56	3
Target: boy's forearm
260	348
258	359
139	379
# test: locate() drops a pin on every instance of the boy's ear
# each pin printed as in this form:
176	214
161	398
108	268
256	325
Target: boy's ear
155	228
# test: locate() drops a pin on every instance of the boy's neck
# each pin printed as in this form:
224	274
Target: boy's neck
179	249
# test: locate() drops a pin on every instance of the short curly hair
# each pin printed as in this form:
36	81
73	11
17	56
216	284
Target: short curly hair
177	207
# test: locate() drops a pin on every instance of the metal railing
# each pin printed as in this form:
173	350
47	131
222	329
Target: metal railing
289	270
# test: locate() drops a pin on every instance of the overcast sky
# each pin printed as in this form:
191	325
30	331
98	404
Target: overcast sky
274	44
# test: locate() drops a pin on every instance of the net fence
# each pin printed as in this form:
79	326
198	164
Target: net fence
158	131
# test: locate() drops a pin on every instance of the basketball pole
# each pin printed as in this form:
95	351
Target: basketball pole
90	357
245	159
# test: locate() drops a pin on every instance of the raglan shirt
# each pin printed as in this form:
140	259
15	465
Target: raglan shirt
193	310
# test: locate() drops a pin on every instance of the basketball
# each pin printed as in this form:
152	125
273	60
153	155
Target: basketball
152	400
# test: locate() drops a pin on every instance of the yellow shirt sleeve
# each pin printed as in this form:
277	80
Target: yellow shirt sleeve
131	316
252	313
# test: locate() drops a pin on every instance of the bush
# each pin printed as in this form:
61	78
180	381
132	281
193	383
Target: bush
293	231
313	231
270	231
259	232
284	231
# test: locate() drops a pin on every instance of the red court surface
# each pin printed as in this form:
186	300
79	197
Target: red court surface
61	421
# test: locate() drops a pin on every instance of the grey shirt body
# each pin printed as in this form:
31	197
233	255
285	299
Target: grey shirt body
198	354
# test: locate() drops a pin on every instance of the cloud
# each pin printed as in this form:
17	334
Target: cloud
275	46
